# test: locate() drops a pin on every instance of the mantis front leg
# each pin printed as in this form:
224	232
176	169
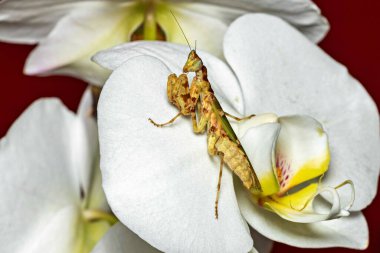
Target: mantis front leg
200	126
179	95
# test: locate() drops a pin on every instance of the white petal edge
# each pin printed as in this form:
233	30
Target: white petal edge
261	243
80	34
259	144
206	28
150	179
302	14
40	181
348	232
174	56
119	239
292	76
84	111
91	176
29	22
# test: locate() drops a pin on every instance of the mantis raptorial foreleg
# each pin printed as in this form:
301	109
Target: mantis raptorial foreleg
200	126
179	95
205	112
237	118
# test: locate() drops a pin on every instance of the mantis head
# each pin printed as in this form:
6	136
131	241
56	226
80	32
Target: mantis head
193	63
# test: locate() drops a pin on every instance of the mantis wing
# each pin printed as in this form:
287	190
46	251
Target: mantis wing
218	110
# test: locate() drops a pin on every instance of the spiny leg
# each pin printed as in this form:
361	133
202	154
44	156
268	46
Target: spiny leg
204	112
200	126
167	123
237	118
218	187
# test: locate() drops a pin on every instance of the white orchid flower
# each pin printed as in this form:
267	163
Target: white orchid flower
119	239
69	32
51	194
161	183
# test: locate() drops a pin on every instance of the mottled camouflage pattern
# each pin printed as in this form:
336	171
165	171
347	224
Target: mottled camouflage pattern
200	103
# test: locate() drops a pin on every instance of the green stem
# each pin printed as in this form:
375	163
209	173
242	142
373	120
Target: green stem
95	215
150	26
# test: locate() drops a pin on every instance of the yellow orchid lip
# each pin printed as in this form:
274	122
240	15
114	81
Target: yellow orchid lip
290	178
296	154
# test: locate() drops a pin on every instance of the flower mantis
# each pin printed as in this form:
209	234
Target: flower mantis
200	100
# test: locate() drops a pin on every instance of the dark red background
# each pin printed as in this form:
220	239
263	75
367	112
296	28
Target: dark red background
354	40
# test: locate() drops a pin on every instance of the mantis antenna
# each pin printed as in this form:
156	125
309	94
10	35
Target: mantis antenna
181	29
195	46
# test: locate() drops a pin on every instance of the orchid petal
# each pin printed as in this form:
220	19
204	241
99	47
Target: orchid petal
91	234
96	198
91	176
206	27
259	144
242	127
275	77
262	244
62	224
85	109
40	192
150	179
349	232
119	239
216	11
80	34
91	141
303	206
303	14
222	79
302	151
29	22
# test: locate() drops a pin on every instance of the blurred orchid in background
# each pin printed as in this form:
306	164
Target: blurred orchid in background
156	188
52	199
51	194
69	32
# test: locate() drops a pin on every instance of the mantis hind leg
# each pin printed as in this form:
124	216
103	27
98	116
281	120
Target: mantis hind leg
166	123
218	186
237	118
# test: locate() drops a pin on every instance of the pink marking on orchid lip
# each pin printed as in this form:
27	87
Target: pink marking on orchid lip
287	176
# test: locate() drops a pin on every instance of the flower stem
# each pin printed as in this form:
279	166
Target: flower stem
95	215
150	26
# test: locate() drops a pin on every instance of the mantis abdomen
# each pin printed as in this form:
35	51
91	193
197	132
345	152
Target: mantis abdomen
237	161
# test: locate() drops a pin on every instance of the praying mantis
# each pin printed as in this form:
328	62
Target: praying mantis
199	102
